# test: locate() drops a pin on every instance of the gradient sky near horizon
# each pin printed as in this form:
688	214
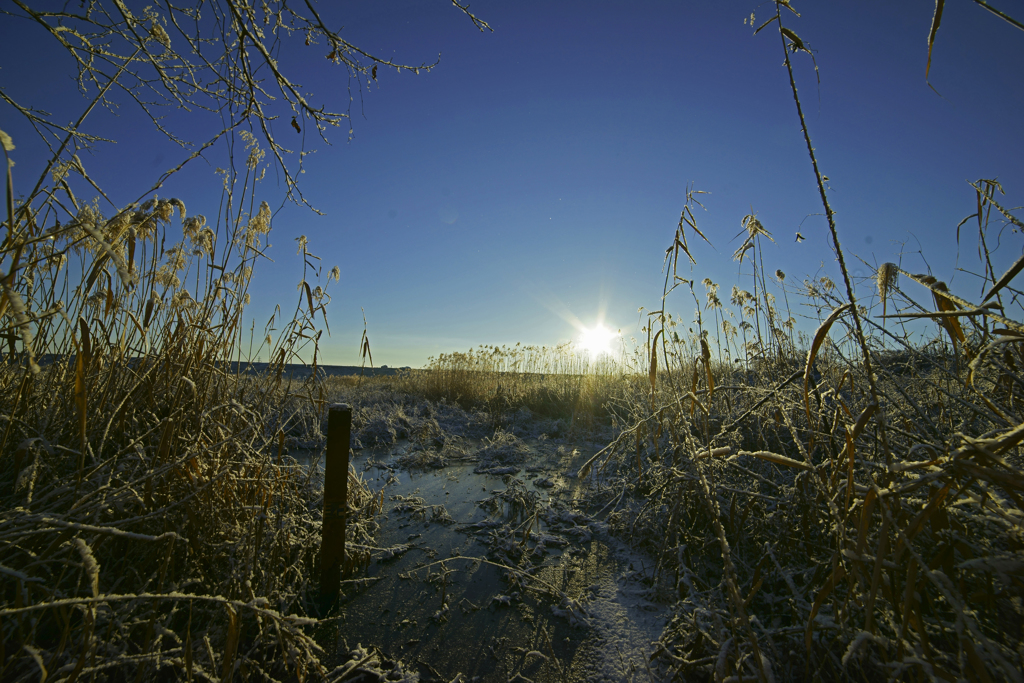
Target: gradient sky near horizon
531	182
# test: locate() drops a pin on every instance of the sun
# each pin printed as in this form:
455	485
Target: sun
597	340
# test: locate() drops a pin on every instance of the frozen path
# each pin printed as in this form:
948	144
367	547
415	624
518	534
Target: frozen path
579	611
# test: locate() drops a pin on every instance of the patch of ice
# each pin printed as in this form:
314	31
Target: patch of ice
391	553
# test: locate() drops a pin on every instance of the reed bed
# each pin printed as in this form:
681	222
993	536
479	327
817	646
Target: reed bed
151	523
559	382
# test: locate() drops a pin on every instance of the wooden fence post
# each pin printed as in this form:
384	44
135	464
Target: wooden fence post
332	546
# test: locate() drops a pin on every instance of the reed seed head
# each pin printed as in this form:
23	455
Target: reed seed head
886	278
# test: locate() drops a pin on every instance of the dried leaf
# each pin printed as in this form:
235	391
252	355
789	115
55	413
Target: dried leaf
86	339
148	312
652	373
977	667
165	441
862	421
1013	271
693	388
706	358
231	646
936	21
797	44
943	304
819	338
188	647
309	299
1008	480
80	398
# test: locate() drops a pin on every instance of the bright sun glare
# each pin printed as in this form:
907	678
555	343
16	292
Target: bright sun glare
597	340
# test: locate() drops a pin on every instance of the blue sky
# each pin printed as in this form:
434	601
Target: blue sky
535	176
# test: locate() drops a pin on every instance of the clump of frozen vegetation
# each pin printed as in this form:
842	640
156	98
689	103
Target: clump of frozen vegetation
501	454
371	665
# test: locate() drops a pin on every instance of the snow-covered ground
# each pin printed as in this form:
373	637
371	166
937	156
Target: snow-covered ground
493	565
